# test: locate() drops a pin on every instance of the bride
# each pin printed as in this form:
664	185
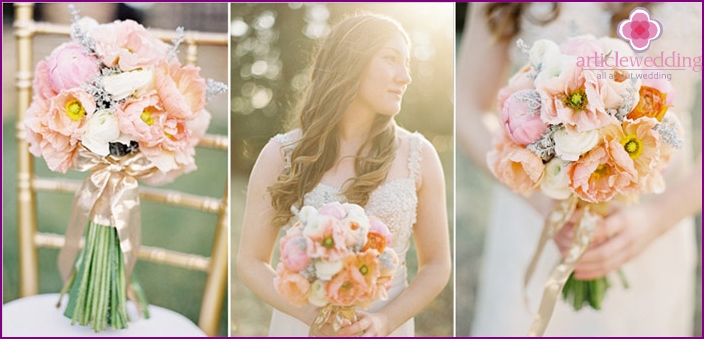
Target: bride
348	148
653	242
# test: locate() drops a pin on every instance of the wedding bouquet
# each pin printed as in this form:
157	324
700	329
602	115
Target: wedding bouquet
586	134
337	258
114	101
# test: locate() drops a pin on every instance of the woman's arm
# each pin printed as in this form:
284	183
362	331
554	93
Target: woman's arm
431	237
481	70
258	237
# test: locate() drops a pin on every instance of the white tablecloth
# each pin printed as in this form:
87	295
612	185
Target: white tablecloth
38	316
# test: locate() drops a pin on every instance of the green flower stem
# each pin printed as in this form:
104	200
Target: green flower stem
82	290
622	276
97	286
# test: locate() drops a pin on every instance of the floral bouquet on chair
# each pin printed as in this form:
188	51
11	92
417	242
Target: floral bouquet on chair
116	102
336	258
586	134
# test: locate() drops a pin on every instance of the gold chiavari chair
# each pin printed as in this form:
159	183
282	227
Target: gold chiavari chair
31	239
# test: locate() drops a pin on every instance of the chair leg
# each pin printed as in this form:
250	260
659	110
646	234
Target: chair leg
27	222
216	283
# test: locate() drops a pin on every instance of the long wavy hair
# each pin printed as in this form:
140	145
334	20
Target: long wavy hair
504	18
334	82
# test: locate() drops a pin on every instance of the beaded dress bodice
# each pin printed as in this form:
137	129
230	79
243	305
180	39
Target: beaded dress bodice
394	202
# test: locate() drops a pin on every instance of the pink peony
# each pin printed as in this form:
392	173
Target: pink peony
514	165
327	241
521	117
57	149
70	67
292	285
520	81
42	87
584	46
347	286
293	254
181	89
128	45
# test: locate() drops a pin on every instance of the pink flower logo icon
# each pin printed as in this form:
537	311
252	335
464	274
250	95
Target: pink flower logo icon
639	29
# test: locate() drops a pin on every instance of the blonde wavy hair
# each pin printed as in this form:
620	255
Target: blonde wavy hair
334	81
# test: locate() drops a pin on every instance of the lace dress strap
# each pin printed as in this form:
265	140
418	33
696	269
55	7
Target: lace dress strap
415	156
287	145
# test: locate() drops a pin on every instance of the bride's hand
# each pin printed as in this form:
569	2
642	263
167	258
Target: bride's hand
618	238
367	325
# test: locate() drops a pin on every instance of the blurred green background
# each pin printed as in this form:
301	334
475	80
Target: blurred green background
473	197
272	48
178	229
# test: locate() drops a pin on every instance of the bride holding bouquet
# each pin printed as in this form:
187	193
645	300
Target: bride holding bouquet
349	149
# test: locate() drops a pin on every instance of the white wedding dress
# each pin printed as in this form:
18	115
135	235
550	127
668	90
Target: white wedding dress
660	300
394	202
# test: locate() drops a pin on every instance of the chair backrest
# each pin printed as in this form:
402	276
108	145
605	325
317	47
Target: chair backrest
30	239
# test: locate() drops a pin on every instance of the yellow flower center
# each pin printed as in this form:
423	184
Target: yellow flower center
600	171
328	243
146	117
75	110
576	100
633	146
364	270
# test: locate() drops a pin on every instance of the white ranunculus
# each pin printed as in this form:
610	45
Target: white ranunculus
314	222
306	213
356	229
541	51
125	84
317	294
555	183
353	210
326	270
101	129
570	146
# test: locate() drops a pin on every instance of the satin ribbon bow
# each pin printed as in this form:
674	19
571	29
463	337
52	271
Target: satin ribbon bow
109	197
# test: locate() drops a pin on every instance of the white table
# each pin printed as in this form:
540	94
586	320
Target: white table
38	316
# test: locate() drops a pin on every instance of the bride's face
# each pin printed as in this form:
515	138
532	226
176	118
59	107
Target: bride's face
385	78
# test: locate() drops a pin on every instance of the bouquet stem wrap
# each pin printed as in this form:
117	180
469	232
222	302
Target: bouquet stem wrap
338	315
583	235
108	197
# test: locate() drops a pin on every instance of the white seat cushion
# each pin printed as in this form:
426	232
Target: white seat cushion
38	316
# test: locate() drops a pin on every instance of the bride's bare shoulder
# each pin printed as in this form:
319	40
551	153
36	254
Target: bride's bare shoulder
274	155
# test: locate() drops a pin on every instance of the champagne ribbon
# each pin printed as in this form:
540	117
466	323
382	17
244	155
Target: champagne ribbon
341	315
109	197
557	219
582	238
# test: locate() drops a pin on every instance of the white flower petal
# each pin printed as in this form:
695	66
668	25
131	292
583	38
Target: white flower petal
125	84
